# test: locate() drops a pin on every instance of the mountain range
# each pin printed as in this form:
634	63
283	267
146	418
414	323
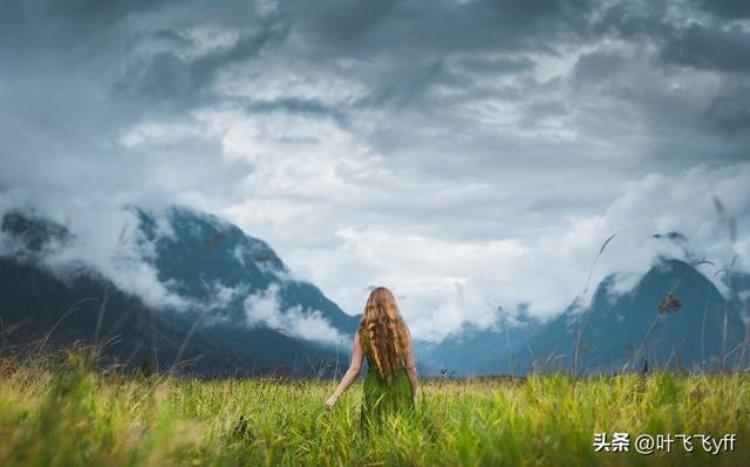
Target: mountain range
673	316
239	309
231	306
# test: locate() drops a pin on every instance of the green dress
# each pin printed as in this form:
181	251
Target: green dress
380	398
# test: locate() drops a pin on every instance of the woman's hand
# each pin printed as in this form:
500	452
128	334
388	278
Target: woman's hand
331	402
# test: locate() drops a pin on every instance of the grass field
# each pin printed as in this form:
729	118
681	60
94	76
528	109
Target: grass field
74	416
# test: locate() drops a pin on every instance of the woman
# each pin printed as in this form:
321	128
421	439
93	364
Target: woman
391	382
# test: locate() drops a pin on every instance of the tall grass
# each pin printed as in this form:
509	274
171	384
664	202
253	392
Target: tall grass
73	415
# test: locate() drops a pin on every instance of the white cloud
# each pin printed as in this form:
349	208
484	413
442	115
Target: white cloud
104	240
548	270
265	308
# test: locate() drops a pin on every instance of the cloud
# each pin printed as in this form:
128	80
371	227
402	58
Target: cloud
102	241
542	274
265	308
727	8
484	145
185	77
709	47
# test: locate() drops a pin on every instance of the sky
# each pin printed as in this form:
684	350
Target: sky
468	154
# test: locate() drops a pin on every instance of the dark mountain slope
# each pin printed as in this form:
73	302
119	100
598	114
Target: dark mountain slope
199	256
616	328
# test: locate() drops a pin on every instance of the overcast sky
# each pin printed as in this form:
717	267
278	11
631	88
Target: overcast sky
467	154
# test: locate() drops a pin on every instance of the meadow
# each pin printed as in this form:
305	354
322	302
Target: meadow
71	414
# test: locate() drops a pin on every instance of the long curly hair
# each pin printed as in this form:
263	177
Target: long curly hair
386	332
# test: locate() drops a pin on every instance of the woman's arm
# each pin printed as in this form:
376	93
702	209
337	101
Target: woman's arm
351	373
411	367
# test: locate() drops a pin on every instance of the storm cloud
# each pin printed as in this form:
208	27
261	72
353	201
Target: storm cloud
466	153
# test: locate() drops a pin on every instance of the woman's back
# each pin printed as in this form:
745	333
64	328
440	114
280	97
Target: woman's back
383	339
380	396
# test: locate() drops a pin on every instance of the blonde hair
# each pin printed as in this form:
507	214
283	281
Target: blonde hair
386	332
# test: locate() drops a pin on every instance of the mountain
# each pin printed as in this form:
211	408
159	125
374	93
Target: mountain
239	309
615	328
476	351
202	254
222	302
